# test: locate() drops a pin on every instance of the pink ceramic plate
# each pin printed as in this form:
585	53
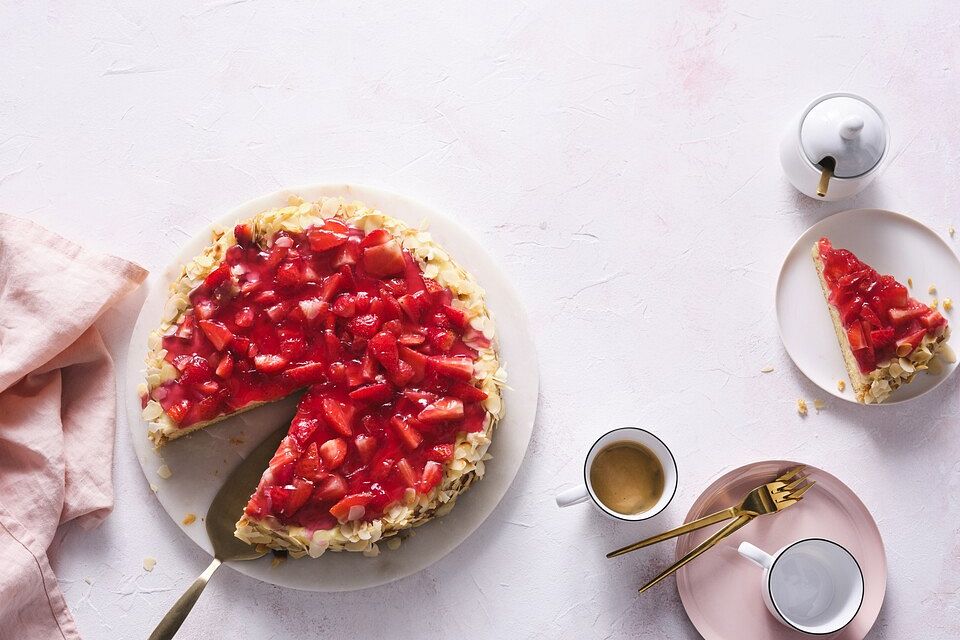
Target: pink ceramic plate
721	590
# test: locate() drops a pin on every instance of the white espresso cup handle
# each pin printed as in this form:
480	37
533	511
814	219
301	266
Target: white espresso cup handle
755	555
572	496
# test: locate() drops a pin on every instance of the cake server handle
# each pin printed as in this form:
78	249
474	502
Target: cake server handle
171	622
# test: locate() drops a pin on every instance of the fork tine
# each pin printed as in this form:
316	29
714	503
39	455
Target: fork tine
790	486
788	475
795	494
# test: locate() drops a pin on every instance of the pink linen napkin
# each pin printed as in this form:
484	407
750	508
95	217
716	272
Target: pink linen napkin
57	413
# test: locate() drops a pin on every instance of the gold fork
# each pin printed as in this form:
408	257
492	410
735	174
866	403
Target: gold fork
772	497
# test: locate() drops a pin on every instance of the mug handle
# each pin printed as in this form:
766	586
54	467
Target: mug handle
755	555
572	496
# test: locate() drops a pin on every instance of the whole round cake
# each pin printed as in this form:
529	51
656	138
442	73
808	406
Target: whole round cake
391	340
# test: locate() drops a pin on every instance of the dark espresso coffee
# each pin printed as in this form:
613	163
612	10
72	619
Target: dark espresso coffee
627	477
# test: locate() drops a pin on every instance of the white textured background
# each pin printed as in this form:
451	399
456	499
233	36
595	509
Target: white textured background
618	158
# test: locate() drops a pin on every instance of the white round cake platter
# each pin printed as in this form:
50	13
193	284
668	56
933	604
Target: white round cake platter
889	242
199	462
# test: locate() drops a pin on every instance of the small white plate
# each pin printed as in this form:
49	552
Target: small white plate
202	460
891	243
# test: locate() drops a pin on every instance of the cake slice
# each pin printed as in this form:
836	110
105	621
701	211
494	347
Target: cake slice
886	336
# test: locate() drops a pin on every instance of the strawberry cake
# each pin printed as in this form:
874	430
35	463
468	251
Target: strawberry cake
390	342
886	336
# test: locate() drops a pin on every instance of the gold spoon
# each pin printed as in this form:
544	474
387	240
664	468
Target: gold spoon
222	516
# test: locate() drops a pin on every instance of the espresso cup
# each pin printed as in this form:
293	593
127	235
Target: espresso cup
628	436
812	585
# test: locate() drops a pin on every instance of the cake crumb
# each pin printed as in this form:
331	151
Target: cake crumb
841	386
951	230
802	406
237	440
154	487
910	282
277	561
766	369
932	289
149	563
393	543
947	304
88	580
164	471
819	405
934	303
190	518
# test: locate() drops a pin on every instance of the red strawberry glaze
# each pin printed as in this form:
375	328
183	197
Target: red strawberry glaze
351	316
877	312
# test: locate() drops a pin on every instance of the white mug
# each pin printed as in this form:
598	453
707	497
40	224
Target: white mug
812	585
584	491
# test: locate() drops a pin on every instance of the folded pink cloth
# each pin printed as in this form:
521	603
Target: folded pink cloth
57	413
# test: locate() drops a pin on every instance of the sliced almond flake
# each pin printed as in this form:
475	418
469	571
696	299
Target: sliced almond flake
149	563
932	289
766	369
819	404
189	519
910	282
164	471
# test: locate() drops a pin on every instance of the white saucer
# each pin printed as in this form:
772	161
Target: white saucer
202	460
890	242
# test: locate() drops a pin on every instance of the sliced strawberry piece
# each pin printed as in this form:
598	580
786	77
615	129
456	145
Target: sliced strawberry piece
444	409
334	225
375	237
287	452
381	469
244	317
456	367
406	472
207	408
331	286
307	373
217	277
881	338
912	341
432	475
441	452
416	360
333	452
457	316
933	319
185	329
902	316
288	275
410	437
393	326
352	507
269	363
474	418
384	259
209	387
355	376
178	411
337	417
411	339
345	306
333	487
856	337
348	253
383	346
205	309
298	496
366	447
321	240
412	306
365	325
441	339
369	368
312	307
380	392
349	283
225	366
308	466
217	333
402	375
467	392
